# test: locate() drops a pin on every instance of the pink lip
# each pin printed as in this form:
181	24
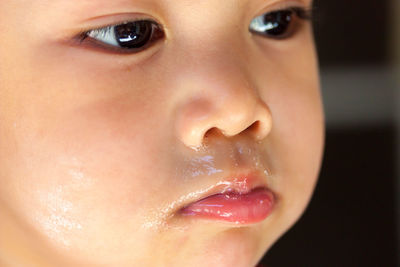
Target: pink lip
240	204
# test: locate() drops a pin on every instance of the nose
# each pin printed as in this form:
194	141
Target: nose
219	95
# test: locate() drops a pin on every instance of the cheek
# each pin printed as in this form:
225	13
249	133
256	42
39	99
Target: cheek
300	131
80	161
296	141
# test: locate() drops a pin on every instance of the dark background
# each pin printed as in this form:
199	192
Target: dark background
351	220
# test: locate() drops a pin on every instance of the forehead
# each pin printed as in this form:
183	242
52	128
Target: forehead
97	4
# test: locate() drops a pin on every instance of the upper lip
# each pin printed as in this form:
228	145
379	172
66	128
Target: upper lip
236	165
240	183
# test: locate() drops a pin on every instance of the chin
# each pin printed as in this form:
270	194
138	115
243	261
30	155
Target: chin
239	247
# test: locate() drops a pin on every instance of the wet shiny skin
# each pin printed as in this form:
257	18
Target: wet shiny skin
98	151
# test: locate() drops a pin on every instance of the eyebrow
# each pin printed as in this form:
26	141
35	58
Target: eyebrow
81	7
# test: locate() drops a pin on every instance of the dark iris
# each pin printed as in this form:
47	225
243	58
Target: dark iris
278	21
134	34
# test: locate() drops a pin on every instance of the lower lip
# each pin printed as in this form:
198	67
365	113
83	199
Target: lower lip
233	207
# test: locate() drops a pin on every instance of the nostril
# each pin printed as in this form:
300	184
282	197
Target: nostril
253	127
258	130
197	123
214	131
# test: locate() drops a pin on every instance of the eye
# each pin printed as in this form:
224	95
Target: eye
127	37
278	24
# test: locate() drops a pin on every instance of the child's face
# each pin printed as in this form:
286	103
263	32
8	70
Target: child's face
101	150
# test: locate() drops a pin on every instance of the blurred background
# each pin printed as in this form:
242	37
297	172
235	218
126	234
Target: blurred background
354	216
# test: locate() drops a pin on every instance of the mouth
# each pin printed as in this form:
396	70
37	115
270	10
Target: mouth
241	200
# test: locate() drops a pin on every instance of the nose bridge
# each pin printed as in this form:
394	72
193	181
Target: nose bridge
218	70
219	93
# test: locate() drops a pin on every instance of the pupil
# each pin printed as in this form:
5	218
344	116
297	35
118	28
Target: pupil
133	34
278	22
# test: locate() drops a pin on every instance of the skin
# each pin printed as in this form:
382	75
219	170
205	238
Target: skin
100	150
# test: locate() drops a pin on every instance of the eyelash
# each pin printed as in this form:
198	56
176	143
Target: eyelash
285	16
157	32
